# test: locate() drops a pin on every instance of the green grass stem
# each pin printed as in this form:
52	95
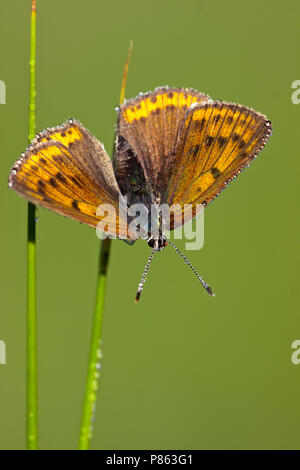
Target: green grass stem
31	382
92	381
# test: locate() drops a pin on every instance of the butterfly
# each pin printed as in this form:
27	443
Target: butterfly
173	146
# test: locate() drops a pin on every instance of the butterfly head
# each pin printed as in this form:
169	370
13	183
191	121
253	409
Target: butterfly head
158	243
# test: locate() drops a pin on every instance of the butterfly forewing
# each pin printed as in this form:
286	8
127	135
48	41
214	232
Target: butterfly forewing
67	170
150	124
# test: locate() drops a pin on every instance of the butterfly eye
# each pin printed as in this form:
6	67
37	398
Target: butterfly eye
162	242
151	242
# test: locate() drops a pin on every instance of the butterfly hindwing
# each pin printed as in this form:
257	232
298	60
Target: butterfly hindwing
216	141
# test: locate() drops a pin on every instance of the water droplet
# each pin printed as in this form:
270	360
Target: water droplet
99	354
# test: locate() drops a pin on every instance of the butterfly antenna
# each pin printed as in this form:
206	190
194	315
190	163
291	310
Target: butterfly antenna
187	261
144	276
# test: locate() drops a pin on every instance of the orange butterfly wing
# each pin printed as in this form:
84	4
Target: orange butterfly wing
216	141
67	170
150	124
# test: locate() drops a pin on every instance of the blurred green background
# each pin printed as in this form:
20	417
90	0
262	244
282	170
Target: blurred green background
181	370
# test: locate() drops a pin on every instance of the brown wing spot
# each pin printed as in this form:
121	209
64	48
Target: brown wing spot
57	158
241	144
43	161
197	125
171	107
153	99
75	204
229	119
77	181
222	141
69	131
53	182
41	186
215	172
235	137
170	94
63	134
61	177
209	140
244	155
194	150
216	118
34	168
156	111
